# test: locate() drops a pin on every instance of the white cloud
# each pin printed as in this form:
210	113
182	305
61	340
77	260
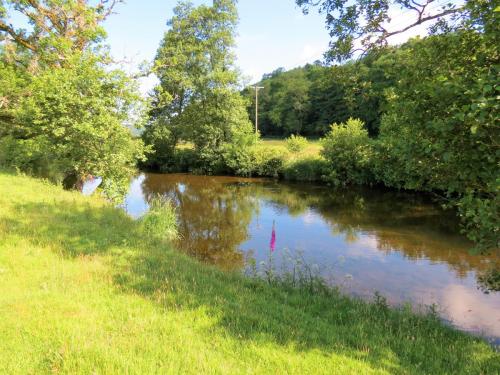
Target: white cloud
311	52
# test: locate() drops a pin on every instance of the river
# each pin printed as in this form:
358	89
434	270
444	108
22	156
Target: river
401	245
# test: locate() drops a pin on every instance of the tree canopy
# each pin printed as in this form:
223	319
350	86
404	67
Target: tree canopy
362	25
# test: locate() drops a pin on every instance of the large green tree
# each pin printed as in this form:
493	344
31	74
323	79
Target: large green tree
197	99
63	106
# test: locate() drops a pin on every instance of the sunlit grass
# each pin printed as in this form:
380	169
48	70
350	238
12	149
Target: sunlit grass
84	291
313	149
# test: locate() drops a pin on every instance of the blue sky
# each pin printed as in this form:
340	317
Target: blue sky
271	34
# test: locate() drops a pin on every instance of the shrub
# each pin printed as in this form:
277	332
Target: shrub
348	150
160	221
29	156
239	160
312	169
296	143
269	162
209	161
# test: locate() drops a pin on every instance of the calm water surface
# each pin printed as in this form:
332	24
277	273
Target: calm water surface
365	241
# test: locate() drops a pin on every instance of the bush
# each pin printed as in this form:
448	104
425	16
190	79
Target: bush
239	160
311	169
296	143
29	156
269	162
254	160
348	150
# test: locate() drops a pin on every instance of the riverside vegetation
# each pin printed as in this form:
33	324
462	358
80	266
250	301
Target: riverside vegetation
85	290
63	104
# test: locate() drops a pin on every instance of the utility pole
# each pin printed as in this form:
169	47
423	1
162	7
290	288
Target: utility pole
257	88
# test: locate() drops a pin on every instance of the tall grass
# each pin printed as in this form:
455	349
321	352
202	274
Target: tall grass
160	221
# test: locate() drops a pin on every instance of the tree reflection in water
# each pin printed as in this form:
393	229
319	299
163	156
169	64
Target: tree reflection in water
215	214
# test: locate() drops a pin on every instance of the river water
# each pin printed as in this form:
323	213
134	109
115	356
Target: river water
401	245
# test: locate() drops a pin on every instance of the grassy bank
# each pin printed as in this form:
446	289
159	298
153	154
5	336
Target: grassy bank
83	291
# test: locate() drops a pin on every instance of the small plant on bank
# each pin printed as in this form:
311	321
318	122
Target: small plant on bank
296	143
160	221
294	273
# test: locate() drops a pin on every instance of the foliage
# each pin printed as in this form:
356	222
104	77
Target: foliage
296	143
72	125
63	109
309	168
255	161
348	149
58	29
489	281
183	160
197	98
239	161
480	216
453	148
160	221
13	80
90	293
284	102
307	100
364	25
269	162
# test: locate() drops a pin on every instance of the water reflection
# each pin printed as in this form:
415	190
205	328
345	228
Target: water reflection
399	244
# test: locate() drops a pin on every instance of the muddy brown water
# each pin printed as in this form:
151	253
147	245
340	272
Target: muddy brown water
401	245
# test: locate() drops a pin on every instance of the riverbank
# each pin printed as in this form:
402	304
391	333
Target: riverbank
83	291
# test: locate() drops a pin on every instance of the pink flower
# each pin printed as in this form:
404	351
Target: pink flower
272	244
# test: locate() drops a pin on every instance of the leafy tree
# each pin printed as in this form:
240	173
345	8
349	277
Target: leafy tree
73	122
197	99
63	108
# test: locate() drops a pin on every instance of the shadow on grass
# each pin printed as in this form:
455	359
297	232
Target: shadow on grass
397	341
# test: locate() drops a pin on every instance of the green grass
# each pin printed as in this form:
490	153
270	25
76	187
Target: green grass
313	149
82	291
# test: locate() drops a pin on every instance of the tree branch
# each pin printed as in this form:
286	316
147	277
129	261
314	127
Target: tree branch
18	38
420	21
